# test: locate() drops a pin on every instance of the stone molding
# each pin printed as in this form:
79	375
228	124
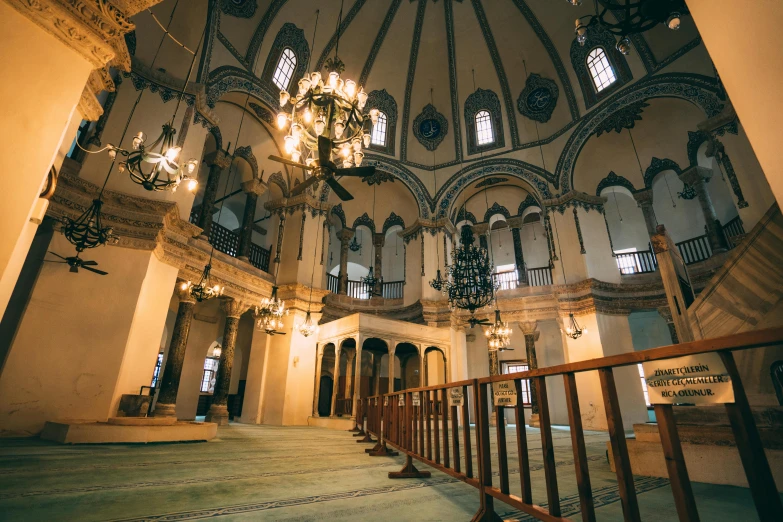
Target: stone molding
695	174
431	226
234	307
254	186
575	198
298	203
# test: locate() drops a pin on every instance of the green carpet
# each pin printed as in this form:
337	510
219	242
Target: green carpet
302	474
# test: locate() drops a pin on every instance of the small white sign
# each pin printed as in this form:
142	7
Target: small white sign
504	393
376	401
415	399
401	400
694	379
385	401
456	397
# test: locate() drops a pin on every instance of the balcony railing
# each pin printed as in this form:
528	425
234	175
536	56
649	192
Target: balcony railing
506	280
227	241
695	249
360	290
734	231
540	276
332	283
636	262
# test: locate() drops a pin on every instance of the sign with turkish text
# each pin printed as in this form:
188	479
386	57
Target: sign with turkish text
694	379
504	393
456	397
415	399
401	400
385	401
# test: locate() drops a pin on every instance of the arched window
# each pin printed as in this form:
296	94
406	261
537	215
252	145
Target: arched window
484	133
379	130
600	69
285	68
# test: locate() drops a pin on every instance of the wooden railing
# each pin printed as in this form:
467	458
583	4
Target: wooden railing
360	290
442	439
636	262
506	280
393	289
695	249
540	276
733	231
332	283
343	406
227	242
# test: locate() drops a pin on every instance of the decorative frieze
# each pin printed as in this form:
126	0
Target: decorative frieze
576	199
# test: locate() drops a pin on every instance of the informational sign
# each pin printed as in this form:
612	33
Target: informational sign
401	400
415	399
694	379
456	397
504	393
376	401
385	401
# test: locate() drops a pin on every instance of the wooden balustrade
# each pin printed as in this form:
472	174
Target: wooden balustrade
360	290
227	242
506	280
433	435
636	262
734	231
540	276
393	289
332	283
343	406
695	249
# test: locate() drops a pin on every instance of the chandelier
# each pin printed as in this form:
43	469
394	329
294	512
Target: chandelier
438	283
573	330
629	17
498	334
470	285
371	281
308	327
204	289
87	231
270	314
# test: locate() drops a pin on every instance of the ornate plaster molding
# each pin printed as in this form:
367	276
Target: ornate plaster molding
576	198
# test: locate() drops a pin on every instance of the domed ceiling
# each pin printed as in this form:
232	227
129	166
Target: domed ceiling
432	62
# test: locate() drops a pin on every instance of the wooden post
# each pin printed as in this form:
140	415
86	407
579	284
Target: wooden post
502	454
466	433
524	459
547	448
444	405
578	444
675	464
486	512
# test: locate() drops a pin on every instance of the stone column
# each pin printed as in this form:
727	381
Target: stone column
319	359
519	257
253	188
357	375
217	161
644	199
531	334
696	177
218	411
169	382
336	374
378	240
345	237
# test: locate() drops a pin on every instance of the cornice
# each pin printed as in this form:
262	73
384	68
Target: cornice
575	198
298	203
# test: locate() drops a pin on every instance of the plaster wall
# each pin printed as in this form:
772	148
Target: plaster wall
393	252
626	221
648	330
413	277
600	263
566	244
252	408
202	335
534	246
34	127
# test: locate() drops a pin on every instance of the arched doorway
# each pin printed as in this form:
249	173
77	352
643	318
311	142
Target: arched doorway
325	396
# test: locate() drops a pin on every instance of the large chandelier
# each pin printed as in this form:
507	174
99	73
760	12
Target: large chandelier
269	316
87	231
498	334
470	285
204	289
330	107
629	17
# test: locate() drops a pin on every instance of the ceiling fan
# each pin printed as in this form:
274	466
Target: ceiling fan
324	169
75	262
473	321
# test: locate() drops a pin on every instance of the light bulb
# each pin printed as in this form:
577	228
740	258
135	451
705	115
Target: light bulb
361	98
624	46
112	152
295	155
309	161
307	116
356	143
289	144
374	115
581	32
296	130
339	127
333	77
138	140
282	120
347	164
121	167
366	139
350	88
345	151
184	286
192	184
304	85
358	157
319	126
172	153
673	22
584	331
575	2
315	78
284	97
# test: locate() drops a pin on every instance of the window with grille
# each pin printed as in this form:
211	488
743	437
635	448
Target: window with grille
210	374
285	68
600	69
484	132
379	131
644	386
156	371
520	367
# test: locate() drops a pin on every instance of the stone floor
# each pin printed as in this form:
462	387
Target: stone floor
302	474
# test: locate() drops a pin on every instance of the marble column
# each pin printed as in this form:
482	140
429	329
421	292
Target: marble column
519	257
357	376
169	382
378	240
345	237
531	334
336	374
252	188
218	411
696	177
644	199
319	359
217	161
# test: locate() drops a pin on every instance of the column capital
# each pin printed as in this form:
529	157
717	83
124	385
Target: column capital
515	222
695	175
661	242
666	313
643	197
530	328
345	234
218	158
254	186
233	307
378	240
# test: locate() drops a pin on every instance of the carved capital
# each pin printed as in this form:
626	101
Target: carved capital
233	307
218	158
89	107
530	328
696	175
378	240
254	186
345	235
644	197
661	242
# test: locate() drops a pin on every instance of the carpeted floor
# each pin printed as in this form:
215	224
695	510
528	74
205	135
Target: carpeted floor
302	474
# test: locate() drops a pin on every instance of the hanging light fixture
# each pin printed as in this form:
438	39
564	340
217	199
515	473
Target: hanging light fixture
309	327
498	334
470	285
354	245
156	166
573	330
269	316
87	231
204	289
438	283
370	280
629	17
